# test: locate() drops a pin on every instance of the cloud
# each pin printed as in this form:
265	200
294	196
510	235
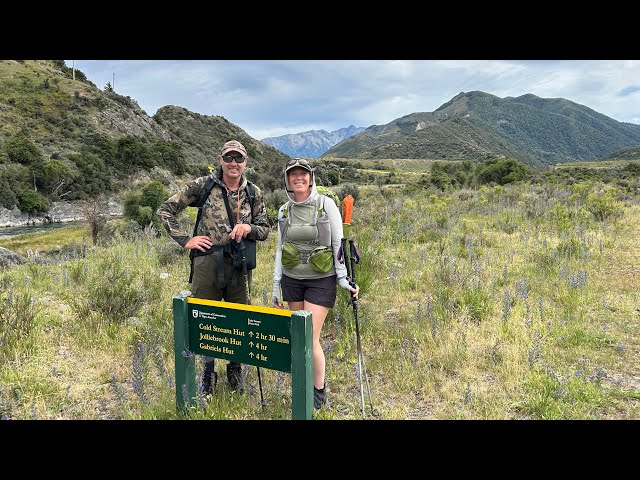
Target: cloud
275	97
628	91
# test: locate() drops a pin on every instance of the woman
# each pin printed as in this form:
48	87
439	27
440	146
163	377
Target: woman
307	267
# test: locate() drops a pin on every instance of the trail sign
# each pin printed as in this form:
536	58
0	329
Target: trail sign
266	337
241	333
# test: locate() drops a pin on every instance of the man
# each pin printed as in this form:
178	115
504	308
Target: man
213	274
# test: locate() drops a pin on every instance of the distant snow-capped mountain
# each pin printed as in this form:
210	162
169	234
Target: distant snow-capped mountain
311	144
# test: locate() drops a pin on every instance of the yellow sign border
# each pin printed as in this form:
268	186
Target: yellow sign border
240	306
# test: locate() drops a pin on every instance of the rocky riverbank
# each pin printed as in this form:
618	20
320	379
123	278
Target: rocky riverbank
59	212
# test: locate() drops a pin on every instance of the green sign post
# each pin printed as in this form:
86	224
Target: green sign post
261	336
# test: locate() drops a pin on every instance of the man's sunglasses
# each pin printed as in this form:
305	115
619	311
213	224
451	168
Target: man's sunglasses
231	158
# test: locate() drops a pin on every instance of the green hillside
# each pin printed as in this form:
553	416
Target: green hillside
477	126
200	137
63	138
632	153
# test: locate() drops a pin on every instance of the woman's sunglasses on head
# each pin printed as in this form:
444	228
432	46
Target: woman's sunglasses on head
298	161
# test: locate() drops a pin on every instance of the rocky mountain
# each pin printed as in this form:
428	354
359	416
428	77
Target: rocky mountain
62	138
311	144
200	137
40	98
478	126
58	113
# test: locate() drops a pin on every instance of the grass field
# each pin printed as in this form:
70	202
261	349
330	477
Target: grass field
602	164
47	241
514	302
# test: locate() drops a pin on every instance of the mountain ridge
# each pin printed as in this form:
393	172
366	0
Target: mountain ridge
65	139
312	143
478	125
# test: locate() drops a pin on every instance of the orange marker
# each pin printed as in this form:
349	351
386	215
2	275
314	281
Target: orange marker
347	209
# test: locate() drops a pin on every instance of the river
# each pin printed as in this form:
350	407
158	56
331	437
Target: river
6	232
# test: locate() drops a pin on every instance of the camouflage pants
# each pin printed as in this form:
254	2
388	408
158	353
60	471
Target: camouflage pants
204	283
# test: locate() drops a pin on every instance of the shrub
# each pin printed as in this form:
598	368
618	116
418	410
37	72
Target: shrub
17	318
348	189
632	168
31	202
20	149
603	207
275	199
168	252
117	230
112	290
141	206
501	171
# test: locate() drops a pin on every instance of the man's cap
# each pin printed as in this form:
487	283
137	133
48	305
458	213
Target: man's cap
298	162
233	145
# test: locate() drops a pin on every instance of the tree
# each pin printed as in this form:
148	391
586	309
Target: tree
108	87
93	179
501	171
131	152
56	175
7	197
333	177
31	202
13	178
441	180
95	211
169	155
20	149
153	194
141	206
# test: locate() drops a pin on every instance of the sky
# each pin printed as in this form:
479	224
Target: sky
270	98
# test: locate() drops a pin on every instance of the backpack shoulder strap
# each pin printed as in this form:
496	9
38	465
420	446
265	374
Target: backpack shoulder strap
204	194
320	204
200	201
251	195
284	210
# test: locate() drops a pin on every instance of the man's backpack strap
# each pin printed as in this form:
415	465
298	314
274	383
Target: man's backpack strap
201	200
251	195
198	203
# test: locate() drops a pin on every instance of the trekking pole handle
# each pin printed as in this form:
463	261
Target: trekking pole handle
354	257
345	256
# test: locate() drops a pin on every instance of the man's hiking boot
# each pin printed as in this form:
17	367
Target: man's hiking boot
320	397
234	376
209	378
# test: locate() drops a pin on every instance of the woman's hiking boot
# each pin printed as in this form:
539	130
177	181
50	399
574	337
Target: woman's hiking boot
320	397
234	376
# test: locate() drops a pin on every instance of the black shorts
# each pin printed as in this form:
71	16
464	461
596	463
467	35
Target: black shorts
319	291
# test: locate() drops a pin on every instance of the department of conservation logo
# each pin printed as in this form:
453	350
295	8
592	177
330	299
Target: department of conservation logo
194	313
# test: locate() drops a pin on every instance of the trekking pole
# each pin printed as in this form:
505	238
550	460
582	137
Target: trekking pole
347	210
242	247
354	257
